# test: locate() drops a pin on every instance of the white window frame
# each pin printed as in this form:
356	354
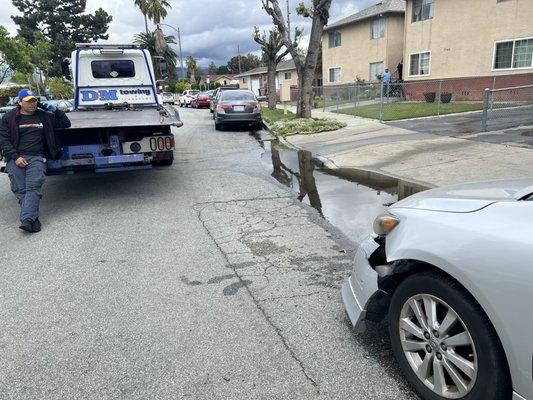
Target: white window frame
372	28
512	56
422	20
332	45
374	78
409	66
340	74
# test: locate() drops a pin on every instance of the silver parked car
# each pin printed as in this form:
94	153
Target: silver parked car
452	270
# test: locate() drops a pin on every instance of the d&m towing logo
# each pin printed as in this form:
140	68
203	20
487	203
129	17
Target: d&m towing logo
113	94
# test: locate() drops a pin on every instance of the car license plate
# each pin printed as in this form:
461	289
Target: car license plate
238	108
149	144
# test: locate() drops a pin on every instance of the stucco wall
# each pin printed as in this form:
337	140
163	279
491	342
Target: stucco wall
462	33
357	50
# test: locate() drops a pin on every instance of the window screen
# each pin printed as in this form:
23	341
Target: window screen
334	75
109	69
422	10
378	28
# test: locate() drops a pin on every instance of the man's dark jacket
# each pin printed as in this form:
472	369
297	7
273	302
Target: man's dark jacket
9	132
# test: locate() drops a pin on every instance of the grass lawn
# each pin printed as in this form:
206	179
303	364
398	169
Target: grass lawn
271	116
394	111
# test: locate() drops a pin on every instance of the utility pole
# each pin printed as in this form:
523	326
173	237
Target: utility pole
289	18
239	55
179	42
181	56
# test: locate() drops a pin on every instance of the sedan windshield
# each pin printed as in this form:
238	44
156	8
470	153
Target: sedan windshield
237	95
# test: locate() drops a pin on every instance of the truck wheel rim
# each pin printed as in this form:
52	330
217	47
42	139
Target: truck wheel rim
438	346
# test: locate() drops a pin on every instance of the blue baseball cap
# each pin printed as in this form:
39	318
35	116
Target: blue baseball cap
26	95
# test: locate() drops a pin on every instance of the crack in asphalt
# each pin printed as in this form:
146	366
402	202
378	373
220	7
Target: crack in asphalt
245	284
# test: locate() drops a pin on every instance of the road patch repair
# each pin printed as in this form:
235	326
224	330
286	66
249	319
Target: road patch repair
295	285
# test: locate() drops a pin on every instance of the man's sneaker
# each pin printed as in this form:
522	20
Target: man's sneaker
27	225
37	225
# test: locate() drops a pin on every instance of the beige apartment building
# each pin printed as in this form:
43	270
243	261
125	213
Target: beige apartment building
361	46
469	38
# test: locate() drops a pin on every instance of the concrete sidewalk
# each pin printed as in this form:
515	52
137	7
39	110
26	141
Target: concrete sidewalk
429	159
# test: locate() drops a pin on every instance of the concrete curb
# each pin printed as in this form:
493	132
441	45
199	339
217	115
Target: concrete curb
406	186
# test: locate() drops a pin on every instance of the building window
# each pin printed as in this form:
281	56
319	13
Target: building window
243	80
378	28
419	64
334	75
335	39
288	76
422	10
514	54
376	69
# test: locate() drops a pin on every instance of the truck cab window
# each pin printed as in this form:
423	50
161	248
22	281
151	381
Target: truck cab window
113	69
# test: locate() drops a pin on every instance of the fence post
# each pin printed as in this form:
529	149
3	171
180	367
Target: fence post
338	98
324	100
438	104
356	97
485	110
381	102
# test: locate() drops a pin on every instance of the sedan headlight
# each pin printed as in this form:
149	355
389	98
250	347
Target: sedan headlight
385	223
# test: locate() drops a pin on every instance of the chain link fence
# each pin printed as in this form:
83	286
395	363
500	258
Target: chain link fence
416	99
507	105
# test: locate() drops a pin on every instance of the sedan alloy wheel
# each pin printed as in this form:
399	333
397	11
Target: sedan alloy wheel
438	346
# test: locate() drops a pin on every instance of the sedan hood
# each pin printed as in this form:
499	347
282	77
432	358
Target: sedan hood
468	197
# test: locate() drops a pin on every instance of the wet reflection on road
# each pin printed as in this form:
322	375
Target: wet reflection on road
349	203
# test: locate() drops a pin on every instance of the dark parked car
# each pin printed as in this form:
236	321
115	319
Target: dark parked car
216	93
238	107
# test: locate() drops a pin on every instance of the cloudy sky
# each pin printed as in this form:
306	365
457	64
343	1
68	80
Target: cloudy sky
210	29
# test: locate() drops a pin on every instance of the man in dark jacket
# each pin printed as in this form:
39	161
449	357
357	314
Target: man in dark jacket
26	139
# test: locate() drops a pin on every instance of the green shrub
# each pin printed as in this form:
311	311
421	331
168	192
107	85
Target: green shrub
181	86
306	126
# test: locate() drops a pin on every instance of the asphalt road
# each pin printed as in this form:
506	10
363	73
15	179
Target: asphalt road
203	280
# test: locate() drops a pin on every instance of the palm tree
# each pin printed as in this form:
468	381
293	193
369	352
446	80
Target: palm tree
143	6
157	10
148	41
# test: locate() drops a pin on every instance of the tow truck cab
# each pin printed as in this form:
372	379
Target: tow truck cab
118	122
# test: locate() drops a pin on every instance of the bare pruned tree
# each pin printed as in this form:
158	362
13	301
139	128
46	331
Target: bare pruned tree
271	45
305	63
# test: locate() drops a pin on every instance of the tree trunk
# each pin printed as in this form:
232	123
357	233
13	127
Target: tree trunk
146	23
304	107
271	83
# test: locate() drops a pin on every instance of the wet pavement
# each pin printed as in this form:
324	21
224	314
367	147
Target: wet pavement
346	203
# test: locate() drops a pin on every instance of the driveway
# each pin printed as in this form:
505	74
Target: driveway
512	127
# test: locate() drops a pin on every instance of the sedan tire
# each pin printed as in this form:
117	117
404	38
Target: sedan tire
444	343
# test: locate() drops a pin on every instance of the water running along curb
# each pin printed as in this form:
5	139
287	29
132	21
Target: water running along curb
406	186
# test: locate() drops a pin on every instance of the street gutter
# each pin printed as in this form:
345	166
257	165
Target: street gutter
406	187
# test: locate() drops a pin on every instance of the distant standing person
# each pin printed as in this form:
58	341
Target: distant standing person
386	77
400	70
26	138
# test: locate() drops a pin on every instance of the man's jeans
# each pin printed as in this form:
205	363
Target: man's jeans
26	184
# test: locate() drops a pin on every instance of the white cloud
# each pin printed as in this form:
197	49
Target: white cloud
210	29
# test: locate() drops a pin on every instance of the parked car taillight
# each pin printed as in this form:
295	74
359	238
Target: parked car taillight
221	107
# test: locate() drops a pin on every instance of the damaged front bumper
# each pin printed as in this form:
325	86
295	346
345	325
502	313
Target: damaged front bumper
362	286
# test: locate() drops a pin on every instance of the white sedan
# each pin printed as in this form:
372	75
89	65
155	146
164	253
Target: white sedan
452	270
186	97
